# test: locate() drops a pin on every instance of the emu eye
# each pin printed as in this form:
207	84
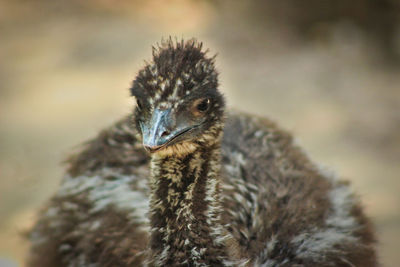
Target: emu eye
203	105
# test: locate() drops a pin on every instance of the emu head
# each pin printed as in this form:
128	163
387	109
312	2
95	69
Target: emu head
179	108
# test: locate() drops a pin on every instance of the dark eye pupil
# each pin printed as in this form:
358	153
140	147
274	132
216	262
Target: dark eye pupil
203	106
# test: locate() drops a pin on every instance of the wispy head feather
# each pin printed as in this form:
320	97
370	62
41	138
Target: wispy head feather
177	69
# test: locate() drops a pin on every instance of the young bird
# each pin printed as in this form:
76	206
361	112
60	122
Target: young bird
181	182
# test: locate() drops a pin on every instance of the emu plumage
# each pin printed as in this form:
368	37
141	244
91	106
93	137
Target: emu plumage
216	189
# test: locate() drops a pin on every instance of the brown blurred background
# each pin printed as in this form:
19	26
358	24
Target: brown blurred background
328	71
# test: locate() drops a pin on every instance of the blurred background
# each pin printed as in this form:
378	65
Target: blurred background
328	71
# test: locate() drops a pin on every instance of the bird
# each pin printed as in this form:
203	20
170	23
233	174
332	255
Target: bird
184	181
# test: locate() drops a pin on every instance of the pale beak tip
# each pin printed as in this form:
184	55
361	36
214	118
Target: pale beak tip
150	148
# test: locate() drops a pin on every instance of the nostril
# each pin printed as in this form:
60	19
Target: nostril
165	133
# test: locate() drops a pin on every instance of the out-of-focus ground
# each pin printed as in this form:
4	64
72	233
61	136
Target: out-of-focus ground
66	66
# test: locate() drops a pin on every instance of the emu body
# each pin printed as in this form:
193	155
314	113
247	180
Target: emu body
216	189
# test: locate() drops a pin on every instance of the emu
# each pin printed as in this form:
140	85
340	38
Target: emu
182	182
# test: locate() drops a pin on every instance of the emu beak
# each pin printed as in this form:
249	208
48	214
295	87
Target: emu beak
163	130
156	134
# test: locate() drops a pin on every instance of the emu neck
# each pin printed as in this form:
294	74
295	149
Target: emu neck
185	210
